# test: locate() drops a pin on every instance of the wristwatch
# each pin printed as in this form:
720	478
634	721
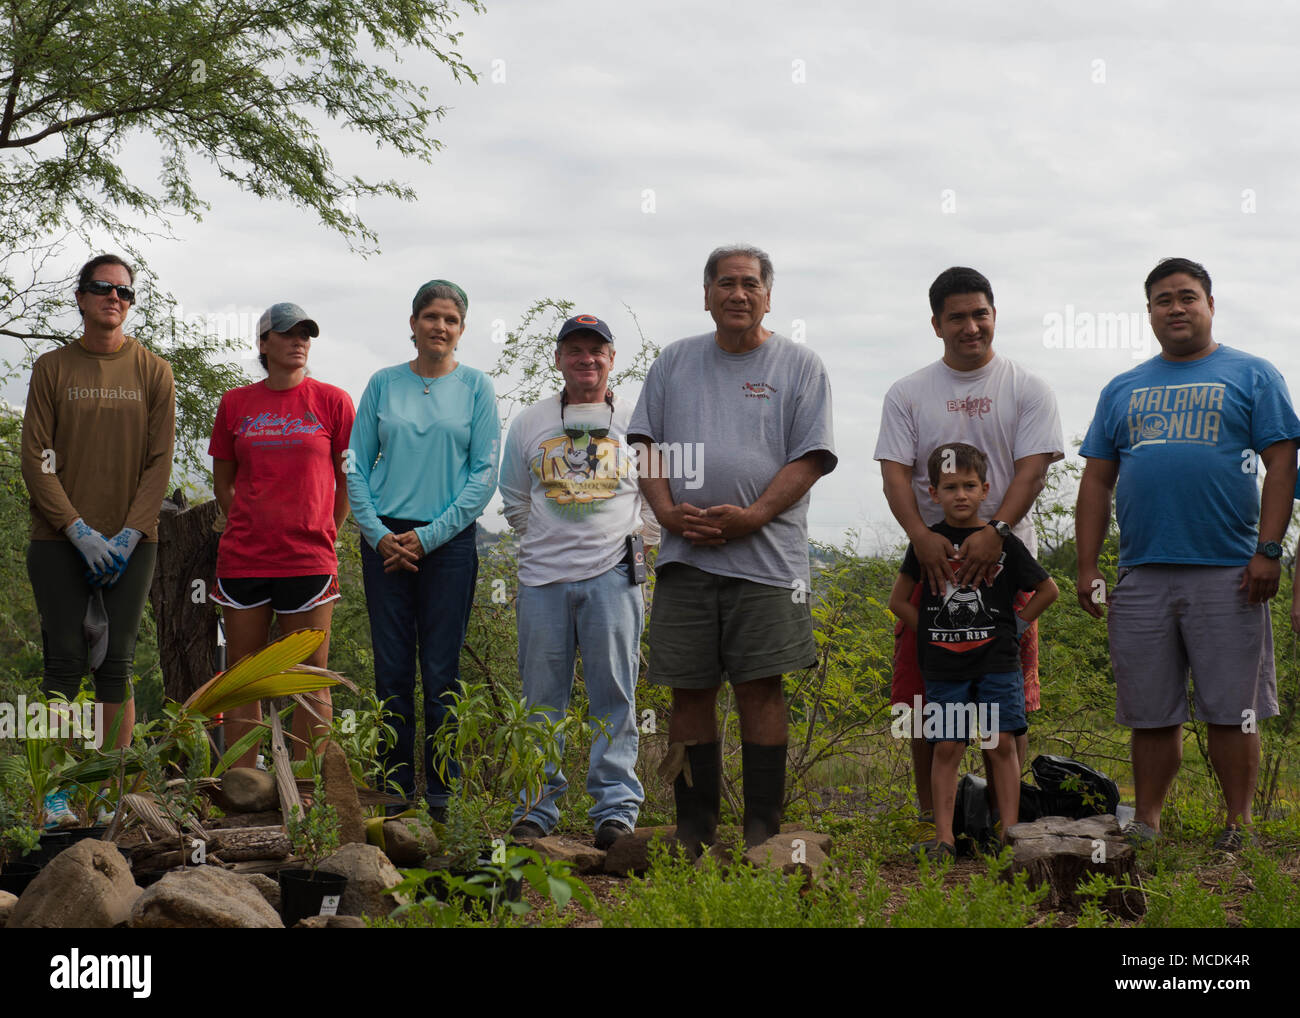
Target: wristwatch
1004	531
1269	549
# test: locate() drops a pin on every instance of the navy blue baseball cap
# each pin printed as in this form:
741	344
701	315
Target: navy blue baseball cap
589	323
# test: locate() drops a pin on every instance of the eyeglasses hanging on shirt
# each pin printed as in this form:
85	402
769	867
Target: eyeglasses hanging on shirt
577	433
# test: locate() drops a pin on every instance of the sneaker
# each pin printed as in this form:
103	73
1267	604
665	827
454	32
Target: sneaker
57	811
934	851
1139	835
1234	839
609	832
526	830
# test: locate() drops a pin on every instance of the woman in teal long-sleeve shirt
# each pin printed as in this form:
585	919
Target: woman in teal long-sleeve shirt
422	467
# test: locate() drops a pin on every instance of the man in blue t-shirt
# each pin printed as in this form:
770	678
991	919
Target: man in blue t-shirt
1179	440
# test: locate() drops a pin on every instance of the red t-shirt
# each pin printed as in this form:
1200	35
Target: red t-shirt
285	444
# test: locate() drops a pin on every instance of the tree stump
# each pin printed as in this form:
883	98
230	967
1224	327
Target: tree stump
186	619
1060	852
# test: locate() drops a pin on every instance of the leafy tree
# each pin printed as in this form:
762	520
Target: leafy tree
236	83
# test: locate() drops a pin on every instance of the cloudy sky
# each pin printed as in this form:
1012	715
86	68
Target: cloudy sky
1060	148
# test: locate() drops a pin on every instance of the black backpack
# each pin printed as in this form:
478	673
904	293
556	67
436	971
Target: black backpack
1068	788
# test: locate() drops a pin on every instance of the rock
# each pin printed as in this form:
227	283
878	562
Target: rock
408	843
1060	852
7	903
204	896
267	887
793	852
247	790
331	922
369	874
87	886
583	858
631	854
341	793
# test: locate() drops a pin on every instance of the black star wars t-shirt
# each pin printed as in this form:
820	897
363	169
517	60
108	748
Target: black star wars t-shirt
964	630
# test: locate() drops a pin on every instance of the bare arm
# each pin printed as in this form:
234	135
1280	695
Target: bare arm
1091	517
1044	594
340	493
932	550
900	601
223	483
680	518
789	485
1262	574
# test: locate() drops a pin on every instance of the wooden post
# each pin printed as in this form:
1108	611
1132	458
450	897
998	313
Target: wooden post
186	619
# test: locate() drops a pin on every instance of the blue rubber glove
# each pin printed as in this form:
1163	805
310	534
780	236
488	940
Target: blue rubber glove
103	561
122	544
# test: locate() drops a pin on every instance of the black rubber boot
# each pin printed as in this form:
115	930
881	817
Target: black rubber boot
764	777
699	803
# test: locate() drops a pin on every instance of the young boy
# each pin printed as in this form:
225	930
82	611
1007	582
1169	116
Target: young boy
967	644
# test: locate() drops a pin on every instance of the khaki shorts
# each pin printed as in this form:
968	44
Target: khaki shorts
1167	621
704	626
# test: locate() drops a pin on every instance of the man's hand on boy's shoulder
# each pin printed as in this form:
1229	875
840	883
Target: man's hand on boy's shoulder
933	551
980	554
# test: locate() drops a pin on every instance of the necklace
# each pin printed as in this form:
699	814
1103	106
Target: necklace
427	382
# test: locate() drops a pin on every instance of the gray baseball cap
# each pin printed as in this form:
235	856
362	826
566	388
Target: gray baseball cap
283	317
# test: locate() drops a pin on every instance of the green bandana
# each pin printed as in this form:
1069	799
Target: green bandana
415	303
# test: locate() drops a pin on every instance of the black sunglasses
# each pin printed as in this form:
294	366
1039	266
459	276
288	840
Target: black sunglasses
577	433
102	288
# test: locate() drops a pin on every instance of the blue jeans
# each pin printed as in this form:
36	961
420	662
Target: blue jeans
429	611
603	615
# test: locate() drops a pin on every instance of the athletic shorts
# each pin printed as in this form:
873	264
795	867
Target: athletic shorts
287	595
704	626
1167	622
907	683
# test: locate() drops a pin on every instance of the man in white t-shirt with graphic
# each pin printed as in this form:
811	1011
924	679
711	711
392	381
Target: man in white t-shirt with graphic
571	494
972	396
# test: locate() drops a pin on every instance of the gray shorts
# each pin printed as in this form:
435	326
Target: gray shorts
1167	620
703	626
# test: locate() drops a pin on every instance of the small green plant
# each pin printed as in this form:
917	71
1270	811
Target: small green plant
987	900
679	893
1274	903
487	887
361	733
1178	901
17	841
314	835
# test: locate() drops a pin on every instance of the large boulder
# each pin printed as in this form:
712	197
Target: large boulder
408	842
204	896
331	922
1060	852
88	886
7	903
341	793
267	887
793	852
631	853
369	874
582	857
247	790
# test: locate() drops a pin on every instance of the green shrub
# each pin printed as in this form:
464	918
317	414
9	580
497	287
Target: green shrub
986	900
677	893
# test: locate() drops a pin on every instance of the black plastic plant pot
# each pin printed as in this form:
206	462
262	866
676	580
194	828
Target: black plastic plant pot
82	833
512	891
304	894
15	877
52	843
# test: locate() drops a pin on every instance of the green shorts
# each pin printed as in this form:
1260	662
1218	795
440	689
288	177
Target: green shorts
704	626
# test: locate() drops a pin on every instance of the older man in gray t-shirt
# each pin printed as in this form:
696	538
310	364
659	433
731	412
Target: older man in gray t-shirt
734	428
